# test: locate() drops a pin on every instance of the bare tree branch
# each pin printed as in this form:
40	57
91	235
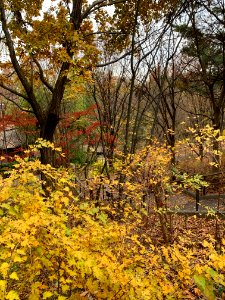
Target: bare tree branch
13	91
98	4
16	104
115	60
41	73
211	12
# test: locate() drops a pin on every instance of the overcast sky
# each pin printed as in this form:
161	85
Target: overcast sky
47	3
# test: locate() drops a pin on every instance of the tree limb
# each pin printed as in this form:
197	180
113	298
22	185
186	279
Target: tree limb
98	4
25	83
15	103
13	91
41	73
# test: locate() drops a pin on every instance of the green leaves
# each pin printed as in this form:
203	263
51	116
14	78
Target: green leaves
205	286
102	217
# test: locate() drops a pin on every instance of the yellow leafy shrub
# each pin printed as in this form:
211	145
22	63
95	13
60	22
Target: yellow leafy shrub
53	246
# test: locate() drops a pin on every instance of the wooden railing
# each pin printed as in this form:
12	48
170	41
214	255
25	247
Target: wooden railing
201	194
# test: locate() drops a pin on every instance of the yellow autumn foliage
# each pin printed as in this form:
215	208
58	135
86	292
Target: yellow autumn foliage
54	246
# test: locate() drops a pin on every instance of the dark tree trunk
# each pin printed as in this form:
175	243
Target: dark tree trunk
49	127
47	133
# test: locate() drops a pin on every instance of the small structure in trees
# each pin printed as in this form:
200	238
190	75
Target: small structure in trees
10	139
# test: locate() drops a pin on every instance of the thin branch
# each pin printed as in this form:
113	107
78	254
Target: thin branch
41	73
115	60
98	4
194	113
15	103
211	12
90	7
104	32
13	91
138	45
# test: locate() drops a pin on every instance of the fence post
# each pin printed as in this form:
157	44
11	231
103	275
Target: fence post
197	199
204	187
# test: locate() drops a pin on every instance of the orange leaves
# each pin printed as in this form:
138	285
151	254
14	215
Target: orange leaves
49	36
24	122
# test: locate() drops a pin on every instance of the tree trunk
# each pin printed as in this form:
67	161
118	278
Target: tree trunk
47	133
217	126
161	206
